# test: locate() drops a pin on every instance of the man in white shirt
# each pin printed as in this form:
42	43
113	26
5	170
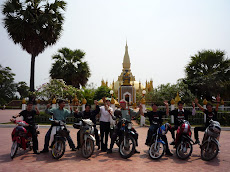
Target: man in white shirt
106	111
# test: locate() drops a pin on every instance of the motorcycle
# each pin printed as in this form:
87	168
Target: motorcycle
86	136
157	145
184	142
21	138
210	144
58	136
125	139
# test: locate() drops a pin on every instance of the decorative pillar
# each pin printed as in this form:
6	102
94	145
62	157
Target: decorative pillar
142	120
84	101
222	105
23	104
205	102
172	108
54	103
112	122
113	104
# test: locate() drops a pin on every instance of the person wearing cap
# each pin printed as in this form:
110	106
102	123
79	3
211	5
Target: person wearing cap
211	114
155	119
28	116
128	114
88	114
180	114
58	114
106	111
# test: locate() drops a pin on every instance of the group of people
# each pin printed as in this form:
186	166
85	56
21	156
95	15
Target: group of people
107	117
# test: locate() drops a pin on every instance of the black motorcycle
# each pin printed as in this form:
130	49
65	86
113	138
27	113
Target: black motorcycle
125	139
210	144
58	135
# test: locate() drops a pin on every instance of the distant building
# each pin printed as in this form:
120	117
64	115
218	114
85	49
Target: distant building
127	80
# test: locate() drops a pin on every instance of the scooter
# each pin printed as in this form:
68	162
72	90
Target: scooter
21	138
184	142
210	144
87	139
157	146
58	136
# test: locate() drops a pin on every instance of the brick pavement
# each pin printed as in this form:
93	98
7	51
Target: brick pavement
100	161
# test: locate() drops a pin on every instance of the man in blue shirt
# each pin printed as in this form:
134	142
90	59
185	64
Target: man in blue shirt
59	114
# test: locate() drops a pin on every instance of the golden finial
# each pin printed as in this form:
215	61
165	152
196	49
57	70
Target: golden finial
84	101
54	101
38	101
177	98
23	101
205	102
112	101
222	102
143	100
172	102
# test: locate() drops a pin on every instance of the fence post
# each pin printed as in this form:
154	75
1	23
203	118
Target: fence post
172	108
54	103
205	102
23	104
142	120
38	104
84	101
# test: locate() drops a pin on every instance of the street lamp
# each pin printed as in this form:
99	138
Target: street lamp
111	92
143	92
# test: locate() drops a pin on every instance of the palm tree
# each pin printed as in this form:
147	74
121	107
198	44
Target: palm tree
69	66
34	24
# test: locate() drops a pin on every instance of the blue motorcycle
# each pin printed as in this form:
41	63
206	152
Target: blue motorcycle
157	146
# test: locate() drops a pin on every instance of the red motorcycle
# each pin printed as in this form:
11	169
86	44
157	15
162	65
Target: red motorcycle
183	140
21	138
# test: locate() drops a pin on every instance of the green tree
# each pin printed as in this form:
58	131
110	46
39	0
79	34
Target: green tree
57	88
34	24
69	66
22	89
169	91
102	91
208	74
7	85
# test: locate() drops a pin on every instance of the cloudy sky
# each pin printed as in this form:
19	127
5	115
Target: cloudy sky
161	36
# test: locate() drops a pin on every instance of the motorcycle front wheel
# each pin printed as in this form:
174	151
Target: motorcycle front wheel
87	148
58	149
158	152
209	150
127	149
14	149
184	149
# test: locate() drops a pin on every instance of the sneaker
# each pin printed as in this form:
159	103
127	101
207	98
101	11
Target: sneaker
73	149
172	143
147	144
197	141
136	151
168	153
36	152
109	151
44	151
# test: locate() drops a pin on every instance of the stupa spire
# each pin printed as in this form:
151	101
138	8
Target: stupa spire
126	60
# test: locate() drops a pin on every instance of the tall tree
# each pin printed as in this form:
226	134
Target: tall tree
69	66
22	89
101	92
208	73
7	85
34	24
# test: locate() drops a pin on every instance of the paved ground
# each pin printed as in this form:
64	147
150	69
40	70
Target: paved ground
100	161
5	115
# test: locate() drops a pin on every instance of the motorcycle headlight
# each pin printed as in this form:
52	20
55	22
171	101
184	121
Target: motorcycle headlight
129	126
